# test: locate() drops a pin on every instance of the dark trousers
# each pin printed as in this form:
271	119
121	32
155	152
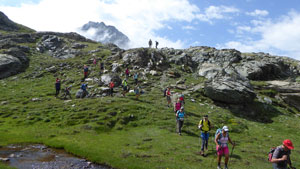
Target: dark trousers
111	91
57	92
179	125
136	81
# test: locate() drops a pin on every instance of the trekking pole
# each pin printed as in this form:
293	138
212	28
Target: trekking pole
231	153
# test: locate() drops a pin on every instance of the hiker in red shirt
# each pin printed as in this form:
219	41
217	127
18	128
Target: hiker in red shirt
111	86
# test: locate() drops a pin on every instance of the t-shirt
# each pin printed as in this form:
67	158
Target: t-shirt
279	153
111	85
86	69
205	125
180	115
83	86
177	106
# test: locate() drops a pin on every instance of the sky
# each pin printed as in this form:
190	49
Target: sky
270	26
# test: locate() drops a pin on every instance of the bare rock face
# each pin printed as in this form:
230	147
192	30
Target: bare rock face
232	90
11	65
145	58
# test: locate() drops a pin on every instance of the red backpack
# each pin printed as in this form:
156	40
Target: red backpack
270	155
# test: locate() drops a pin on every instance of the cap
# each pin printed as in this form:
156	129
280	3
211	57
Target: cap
205	115
181	108
288	143
225	128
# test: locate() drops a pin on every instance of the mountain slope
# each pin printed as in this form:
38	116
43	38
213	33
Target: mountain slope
127	133
7	25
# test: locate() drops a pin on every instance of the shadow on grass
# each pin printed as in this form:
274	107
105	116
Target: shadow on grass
256	111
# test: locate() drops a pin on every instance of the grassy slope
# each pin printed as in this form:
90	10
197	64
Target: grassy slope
126	133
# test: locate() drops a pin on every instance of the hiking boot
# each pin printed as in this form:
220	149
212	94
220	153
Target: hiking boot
226	167
219	167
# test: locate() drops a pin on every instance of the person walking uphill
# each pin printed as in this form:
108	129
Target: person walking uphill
204	126
177	106
281	156
57	86
180	119
127	73
221	140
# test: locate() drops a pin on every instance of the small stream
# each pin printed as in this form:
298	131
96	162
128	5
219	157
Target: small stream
41	157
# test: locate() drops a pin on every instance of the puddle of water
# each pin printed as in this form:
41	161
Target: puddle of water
41	157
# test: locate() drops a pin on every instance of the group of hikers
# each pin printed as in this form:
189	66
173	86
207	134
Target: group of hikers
84	86
150	44
279	156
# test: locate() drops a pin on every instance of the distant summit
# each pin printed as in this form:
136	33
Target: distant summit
105	34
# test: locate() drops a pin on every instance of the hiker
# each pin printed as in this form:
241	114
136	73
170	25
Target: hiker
150	43
94	61
137	91
221	140
135	77
85	71
67	92
182	99
84	87
180	119
57	86
204	126
101	67
177	106
281	156
156	44
168	94
127	73
111	87
125	87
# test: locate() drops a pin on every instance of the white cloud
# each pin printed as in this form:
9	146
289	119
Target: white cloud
138	19
217	12
277	37
258	13
188	27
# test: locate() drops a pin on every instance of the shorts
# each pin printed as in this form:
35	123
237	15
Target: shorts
168	98
125	88
222	150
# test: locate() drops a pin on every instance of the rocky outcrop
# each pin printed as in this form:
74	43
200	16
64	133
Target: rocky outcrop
145	58
56	47
293	99
107	78
232	90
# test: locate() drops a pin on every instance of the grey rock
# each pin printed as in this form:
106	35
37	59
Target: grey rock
10	65
106	78
78	46
293	99
229	90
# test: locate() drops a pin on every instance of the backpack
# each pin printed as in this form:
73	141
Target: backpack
270	154
219	130
201	122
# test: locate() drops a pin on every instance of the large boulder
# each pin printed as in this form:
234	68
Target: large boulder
293	99
106	78
146	58
263	69
209	70
232	90
81	94
10	65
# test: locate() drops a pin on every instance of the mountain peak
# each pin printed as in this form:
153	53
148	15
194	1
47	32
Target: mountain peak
104	33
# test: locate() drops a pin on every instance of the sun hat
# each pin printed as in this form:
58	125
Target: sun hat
225	128
288	143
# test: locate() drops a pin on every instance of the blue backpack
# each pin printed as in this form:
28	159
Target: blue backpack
219	130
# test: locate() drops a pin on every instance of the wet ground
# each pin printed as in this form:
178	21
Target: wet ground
42	157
